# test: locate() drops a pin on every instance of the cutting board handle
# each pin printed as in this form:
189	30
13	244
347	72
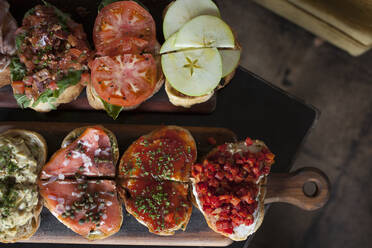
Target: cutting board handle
307	188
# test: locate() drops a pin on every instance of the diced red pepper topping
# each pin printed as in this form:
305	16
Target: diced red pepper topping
226	184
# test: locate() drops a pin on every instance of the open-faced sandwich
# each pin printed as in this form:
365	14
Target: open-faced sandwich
127	70
22	154
200	54
51	59
78	186
227	187
153	174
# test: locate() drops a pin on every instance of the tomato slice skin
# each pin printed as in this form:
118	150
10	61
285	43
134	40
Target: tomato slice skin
124	80
122	23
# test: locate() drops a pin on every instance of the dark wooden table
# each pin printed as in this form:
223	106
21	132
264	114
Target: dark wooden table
249	107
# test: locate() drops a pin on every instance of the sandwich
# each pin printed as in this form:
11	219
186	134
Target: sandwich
50	65
200	54
22	155
126	71
153	179
78	183
227	187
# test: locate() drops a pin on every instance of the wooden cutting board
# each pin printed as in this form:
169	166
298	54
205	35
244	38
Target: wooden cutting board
281	188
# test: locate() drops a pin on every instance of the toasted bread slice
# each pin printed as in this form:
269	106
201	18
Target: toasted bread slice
5	77
164	214
96	102
74	134
33	140
38	149
66	200
182	100
179	99
171	150
87	151
242	231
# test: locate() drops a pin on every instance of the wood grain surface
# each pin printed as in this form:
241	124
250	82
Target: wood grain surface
281	187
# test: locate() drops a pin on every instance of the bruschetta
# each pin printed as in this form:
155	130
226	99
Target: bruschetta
78	183
227	187
50	66
127	70
154	174
22	155
192	77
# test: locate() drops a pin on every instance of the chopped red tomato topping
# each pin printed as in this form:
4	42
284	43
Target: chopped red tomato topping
226	184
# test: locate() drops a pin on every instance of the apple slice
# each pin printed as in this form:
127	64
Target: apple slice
182	11
168	45
193	72
205	31
230	60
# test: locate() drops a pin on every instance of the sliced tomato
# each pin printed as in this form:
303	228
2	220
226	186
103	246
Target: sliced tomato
123	22
18	87
124	80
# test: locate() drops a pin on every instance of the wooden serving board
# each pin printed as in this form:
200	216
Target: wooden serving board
85	12
158	103
282	187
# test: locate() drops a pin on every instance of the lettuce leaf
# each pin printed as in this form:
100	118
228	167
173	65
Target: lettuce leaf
50	96
22	100
112	110
17	69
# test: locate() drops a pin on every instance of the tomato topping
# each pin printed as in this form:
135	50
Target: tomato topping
52	85
124	80
226	183
161	205
123	26
18	87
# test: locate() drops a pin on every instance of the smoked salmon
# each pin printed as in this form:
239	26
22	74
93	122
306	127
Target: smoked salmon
78	183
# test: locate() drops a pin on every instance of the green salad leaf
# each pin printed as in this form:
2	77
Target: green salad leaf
17	69
104	3
112	110
50	96
19	39
22	100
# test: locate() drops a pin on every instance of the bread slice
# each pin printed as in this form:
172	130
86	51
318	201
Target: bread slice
68	95
89	155
5	77
128	167
127	193
241	232
143	179
182	100
38	148
110	221
74	134
95	101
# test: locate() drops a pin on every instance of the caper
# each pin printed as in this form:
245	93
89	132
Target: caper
81	221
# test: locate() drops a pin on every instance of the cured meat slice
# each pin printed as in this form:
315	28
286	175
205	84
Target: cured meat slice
164	154
90	154
89	207
162	206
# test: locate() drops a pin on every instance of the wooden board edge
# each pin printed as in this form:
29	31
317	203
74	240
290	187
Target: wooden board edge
324	30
